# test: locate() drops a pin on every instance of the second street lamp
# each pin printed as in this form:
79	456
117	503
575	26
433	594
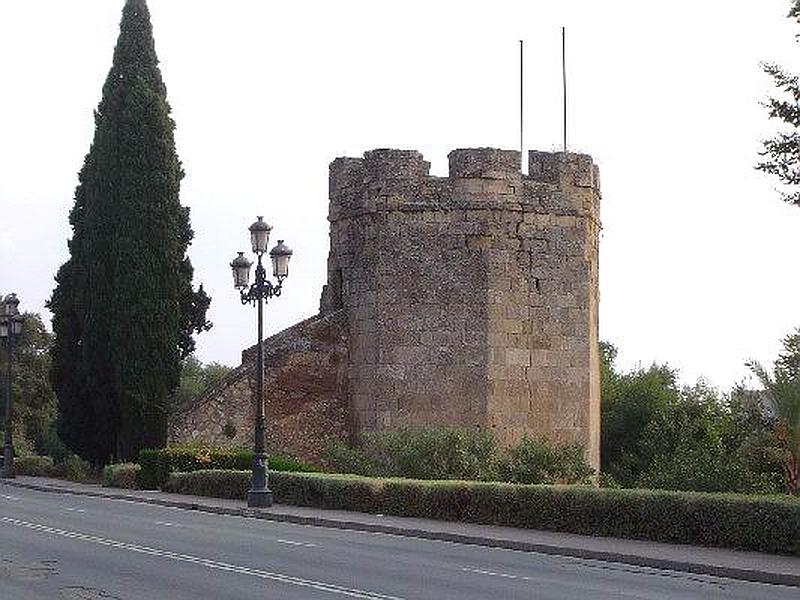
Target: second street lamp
263	289
10	330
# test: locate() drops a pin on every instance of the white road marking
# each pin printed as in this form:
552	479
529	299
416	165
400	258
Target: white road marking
494	574
168	524
8	497
205	562
292	543
78	510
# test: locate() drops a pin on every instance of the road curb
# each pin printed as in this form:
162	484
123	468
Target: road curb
750	575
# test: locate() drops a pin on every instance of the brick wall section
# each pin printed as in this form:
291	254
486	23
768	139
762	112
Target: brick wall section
305	394
464	300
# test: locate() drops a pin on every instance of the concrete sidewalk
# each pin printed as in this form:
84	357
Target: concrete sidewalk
747	566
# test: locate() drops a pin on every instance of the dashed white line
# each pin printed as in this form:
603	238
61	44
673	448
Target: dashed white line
168	524
495	574
8	497
205	562
77	510
293	543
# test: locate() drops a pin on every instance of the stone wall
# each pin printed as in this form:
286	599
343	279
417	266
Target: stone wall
306	394
471	299
464	300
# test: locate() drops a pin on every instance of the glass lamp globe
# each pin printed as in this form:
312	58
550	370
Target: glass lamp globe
241	271
259	235
280	256
11	305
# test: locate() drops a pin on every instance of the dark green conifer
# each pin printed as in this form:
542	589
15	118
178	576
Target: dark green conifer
124	309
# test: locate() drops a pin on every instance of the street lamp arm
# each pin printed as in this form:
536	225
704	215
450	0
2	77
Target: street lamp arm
263	288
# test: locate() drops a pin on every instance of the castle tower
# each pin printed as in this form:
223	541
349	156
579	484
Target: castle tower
472	299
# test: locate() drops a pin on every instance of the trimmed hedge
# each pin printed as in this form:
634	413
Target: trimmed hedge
122	475
156	465
34	466
760	523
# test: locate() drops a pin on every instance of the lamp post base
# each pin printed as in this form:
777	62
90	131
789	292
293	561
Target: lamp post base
259	498
259	495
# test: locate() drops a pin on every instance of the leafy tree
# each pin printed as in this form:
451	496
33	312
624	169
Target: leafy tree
32	395
782	388
781	154
124	310
630	403
197	378
656	434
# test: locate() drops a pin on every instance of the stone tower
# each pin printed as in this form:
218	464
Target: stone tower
471	299
465	300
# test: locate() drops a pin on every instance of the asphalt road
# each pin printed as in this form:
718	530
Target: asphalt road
63	547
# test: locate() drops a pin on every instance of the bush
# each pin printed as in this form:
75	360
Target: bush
759	523
121	475
52	446
707	471
419	453
156	465
34	466
534	461
465	454
74	468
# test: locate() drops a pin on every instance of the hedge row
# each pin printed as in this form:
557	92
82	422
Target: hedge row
123	475
759	523
156	465
71	468
34	466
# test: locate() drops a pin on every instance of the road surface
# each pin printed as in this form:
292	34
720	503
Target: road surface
64	547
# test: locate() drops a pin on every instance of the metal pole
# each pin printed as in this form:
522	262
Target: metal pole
8	446
521	104
564	79
260	495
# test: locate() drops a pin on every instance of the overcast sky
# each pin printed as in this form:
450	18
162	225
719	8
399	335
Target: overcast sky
698	255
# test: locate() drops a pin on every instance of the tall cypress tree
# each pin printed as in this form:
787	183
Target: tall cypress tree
124	309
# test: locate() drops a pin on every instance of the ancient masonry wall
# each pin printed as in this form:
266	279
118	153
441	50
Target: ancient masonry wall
306	394
465	300
472	299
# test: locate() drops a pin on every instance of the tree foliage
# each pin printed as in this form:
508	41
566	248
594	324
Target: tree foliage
124	309
782	391
781	153
197	378
33	397
658	434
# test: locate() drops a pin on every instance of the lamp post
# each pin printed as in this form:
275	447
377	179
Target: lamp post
260	495
10	330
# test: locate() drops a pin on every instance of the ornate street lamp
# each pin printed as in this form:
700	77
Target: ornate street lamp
260	495
10	330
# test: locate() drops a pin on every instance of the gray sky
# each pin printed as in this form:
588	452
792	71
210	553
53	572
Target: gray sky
698	255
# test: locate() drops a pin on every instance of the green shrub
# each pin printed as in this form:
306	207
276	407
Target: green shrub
535	461
34	466
707	470
156	465
760	523
419	453
74	468
452	453
214	484
123	475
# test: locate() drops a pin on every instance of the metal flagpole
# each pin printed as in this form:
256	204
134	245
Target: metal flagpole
521	109
564	79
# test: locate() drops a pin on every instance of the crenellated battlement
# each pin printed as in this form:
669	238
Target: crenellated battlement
390	179
471	299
